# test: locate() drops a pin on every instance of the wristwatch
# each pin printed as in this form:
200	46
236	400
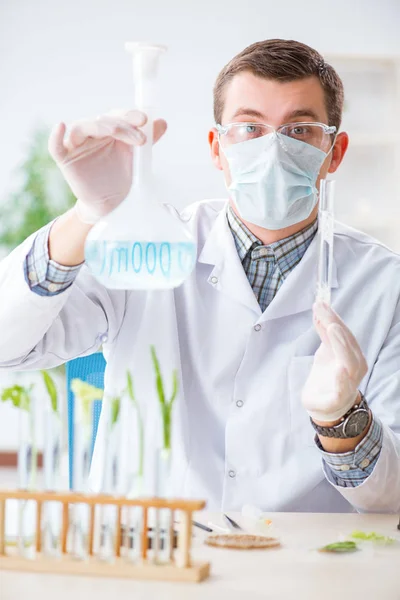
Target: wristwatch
351	425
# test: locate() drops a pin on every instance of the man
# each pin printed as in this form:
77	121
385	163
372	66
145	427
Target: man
256	360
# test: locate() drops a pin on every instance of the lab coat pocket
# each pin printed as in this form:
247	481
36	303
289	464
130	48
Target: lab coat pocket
300	426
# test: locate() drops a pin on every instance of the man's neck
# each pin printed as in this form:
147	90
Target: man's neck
269	236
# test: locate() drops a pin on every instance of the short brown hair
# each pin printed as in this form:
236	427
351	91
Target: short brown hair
283	60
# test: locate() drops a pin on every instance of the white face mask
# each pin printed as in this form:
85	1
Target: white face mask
274	179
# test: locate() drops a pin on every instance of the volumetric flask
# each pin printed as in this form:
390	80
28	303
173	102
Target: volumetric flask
142	244
325	240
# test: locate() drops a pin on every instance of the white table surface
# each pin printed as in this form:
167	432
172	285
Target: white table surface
295	571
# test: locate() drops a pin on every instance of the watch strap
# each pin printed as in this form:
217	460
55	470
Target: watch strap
337	431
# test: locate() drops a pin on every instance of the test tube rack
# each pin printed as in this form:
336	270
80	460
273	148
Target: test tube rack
180	567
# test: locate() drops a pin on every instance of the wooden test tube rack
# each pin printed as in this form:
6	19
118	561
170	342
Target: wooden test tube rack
180	567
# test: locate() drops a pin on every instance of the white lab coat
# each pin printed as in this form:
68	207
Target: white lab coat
261	449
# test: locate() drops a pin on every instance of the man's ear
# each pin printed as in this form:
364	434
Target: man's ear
338	151
215	148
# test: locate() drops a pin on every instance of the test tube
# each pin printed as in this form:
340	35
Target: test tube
162	517
132	536
52	511
83	435
325	240
27	476
111	479
134	485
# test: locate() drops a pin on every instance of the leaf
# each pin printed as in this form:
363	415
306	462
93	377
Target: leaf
12	394
86	391
130	386
372	537
167	425
347	546
174	387
159	381
51	389
86	394
115	409
18	396
140	423
166	407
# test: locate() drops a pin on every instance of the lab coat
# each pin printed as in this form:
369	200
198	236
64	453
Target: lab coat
240	432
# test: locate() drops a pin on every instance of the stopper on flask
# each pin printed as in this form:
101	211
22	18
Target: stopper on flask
145	57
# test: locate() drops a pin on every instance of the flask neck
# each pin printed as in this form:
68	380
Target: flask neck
145	75
142	155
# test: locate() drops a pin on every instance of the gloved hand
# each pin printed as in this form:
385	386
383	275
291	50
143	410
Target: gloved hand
339	366
96	159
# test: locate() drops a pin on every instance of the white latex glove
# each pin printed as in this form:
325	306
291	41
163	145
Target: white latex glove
339	366
95	158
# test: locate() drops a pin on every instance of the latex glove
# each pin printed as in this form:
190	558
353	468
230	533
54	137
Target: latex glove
95	158
339	366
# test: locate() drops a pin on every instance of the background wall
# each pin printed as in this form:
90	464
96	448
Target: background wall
66	60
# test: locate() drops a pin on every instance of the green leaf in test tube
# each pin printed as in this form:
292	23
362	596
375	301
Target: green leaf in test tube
51	389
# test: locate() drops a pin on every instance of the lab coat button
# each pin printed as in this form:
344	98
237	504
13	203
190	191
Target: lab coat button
239	403
214	280
257	327
103	337
232	474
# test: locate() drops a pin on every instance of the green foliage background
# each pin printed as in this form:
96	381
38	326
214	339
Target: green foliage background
42	196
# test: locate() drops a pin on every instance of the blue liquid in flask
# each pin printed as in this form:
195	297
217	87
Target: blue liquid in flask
140	265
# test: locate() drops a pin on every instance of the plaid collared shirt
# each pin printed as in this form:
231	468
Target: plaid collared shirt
267	267
349	469
45	277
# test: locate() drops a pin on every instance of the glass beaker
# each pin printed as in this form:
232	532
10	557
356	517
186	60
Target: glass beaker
142	244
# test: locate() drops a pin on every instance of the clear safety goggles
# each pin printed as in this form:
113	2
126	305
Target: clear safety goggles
319	135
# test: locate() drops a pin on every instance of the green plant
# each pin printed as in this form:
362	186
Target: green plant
18	395
86	393
42	196
165	405
115	409
51	389
140	422
372	537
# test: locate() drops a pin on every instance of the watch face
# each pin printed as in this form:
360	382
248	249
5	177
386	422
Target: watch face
356	423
